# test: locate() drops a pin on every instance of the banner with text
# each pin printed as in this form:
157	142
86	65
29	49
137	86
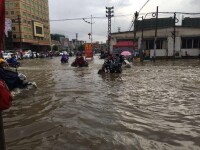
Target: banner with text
88	51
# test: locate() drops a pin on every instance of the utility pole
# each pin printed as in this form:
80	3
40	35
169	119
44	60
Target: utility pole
142	45
91	30
109	14
90	34
174	36
119	29
19	23
134	32
155	39
76	47
135	24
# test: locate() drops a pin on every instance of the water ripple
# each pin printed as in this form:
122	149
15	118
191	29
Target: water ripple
149	106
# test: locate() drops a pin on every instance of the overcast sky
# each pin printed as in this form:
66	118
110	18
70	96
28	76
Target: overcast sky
123	11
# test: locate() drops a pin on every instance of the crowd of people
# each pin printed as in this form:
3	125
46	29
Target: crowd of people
112	64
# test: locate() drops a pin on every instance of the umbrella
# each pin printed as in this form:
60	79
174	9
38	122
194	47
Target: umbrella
126	53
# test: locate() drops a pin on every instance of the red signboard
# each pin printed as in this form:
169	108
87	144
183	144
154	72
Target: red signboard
88	51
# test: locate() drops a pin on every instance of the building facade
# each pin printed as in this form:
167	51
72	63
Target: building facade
30	28
186	41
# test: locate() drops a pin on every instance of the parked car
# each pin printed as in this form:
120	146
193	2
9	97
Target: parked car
27	55
7	55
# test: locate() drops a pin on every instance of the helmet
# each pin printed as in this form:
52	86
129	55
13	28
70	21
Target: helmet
2	60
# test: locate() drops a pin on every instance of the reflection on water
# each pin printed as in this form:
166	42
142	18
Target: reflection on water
148	106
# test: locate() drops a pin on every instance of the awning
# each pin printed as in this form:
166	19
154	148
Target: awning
125	44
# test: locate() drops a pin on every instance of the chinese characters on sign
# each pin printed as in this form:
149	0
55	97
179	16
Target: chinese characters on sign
88	51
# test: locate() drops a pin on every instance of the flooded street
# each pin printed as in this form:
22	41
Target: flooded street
149	106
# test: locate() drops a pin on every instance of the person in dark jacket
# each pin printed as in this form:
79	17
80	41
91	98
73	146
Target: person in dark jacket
79	61
12	79
13	61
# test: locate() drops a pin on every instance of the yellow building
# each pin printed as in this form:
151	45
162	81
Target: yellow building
30	24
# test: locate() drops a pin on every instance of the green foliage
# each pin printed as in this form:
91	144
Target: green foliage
56	37
55	48
81	48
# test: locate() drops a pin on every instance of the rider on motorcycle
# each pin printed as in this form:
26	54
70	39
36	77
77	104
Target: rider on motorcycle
112	65
13	61
64	58
12	79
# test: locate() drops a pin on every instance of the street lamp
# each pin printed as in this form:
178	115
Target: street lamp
90	34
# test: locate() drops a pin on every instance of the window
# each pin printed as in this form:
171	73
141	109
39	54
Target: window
12	12
23	6
14	36
25	29
159	44
150	44
190	43
24	13
199	43
6	4
39	30
13	28
16	5
196	43
11	5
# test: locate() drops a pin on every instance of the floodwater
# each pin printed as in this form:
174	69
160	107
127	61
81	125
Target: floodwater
151	106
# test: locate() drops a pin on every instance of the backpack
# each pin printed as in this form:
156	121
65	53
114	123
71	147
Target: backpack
5	96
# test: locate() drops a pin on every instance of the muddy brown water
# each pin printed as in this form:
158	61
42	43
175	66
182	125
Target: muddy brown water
149	106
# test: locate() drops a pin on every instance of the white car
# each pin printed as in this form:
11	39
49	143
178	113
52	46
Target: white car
26	55
7	55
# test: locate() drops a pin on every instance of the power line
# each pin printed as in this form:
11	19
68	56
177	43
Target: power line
132	22
143	6
68	19
183	13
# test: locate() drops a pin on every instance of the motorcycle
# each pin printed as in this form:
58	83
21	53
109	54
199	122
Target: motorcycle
16	80
64	58
79	62
74	64
109	67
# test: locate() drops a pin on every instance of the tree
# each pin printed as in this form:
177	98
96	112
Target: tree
81	48
55	47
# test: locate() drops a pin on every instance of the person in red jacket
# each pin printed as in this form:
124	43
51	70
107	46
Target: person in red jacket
79	61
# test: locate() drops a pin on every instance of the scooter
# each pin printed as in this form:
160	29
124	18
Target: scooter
64	60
